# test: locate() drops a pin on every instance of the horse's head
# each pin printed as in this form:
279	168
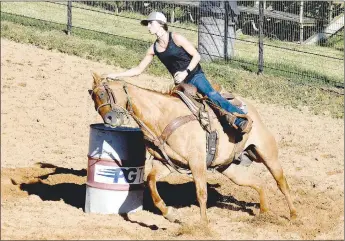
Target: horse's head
106	104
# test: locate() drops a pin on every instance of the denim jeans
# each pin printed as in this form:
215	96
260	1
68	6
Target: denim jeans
203	85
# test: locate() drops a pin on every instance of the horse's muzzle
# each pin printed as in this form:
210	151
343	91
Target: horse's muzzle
113	119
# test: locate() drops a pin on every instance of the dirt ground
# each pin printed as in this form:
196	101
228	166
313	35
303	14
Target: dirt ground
45	116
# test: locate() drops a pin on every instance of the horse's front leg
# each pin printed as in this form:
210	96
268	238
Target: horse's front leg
157	200
199	174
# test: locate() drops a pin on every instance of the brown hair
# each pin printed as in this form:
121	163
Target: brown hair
164	25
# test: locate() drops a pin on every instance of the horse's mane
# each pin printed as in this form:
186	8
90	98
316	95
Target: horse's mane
165	90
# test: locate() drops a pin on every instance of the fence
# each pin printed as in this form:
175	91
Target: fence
296	38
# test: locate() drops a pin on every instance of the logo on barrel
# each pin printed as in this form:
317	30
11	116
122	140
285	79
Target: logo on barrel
119	175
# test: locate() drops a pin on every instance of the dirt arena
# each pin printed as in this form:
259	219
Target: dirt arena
45	116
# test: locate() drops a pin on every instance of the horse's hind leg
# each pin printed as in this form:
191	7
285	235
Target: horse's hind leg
237	174
270	159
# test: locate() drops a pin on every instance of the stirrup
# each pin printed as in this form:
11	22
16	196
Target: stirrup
231	118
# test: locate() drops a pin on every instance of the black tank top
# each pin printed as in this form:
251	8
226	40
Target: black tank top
175	58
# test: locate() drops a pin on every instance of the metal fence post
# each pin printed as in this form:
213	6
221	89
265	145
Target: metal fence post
226	29
261	36
301	37
69	17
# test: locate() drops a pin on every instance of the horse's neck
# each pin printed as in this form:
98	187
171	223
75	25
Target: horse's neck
148	105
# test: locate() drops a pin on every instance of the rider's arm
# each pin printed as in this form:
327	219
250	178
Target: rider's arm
188	46
138	69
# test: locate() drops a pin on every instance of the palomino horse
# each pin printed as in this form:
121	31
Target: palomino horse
186	146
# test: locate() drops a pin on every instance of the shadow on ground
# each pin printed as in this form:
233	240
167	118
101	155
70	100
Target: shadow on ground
175	195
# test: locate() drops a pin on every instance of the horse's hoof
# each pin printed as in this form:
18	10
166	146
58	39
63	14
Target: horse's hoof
204	223
263	210
293	215
172	216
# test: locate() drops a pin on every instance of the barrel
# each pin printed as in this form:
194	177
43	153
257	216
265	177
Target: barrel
115	173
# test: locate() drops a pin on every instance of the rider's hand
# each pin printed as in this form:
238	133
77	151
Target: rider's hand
180	76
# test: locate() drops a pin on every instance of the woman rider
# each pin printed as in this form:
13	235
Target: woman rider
182	61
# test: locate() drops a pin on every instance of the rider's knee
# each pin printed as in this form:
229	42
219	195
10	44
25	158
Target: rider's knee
214	96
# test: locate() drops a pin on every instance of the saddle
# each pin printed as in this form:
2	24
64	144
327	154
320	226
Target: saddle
199	104
196	102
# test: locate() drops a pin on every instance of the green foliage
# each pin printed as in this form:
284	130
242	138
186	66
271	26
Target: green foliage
336	41
179	13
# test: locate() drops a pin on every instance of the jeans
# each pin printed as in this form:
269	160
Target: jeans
203	85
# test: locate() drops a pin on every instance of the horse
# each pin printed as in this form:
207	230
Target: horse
186	145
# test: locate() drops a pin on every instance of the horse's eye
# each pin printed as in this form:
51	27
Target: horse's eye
101	95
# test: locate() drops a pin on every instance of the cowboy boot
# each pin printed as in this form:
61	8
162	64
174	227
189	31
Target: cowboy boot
245	126
244	122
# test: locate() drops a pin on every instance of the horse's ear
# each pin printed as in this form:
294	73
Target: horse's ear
96	78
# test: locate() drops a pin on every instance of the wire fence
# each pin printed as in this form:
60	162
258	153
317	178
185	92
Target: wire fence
299	38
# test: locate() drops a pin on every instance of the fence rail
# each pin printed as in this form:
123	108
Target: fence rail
283	23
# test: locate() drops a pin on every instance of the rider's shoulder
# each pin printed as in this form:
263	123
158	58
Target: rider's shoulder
176	35
178	38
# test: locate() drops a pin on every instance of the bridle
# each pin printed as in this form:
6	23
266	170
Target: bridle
120	111
111	97
117	109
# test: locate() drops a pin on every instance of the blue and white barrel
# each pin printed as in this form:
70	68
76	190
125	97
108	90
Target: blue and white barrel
115	174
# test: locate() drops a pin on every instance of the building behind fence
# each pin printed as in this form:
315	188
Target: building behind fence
262	34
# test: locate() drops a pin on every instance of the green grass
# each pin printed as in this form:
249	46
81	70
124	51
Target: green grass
295	61
127	53
246	48
93	20
277	90
336	41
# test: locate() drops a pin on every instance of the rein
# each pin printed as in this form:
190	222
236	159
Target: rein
158	141
131	112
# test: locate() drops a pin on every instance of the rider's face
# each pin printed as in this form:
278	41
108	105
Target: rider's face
153	27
